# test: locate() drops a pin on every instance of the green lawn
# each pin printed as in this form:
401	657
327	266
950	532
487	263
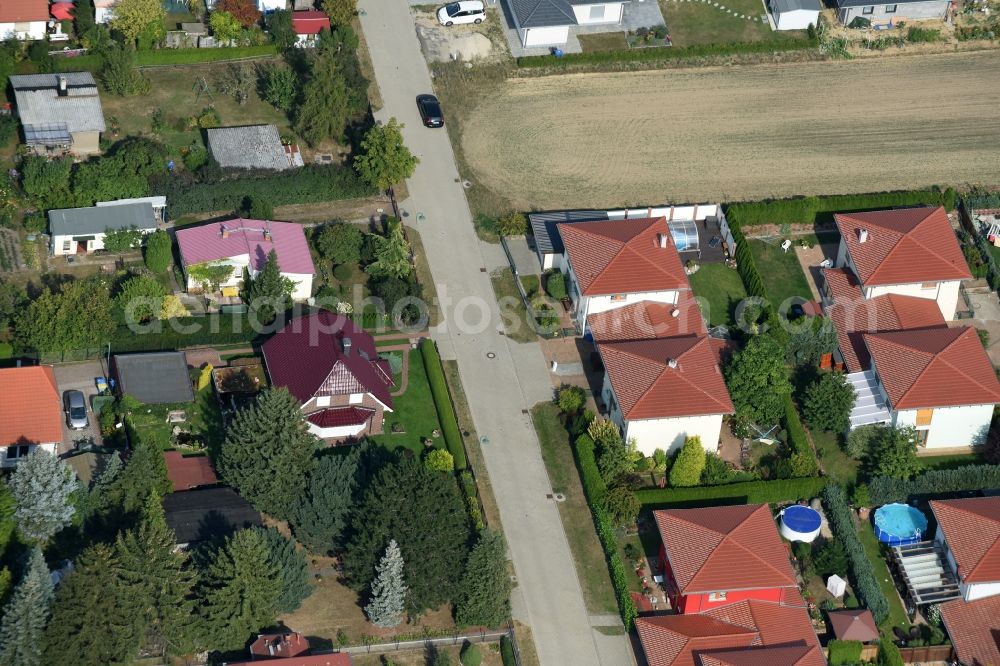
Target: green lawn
588	555
414	410
781	272
203	420
603	41
897	614
695	22
950	461
511	306
838	465
722	287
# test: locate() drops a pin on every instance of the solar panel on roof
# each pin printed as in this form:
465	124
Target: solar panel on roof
47	134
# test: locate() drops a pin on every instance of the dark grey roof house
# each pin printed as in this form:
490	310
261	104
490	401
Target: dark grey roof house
794	14
80	230
59	112
155	378
251	147
547	22
894	12
208	513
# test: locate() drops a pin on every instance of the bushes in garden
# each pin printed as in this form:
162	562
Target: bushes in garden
689	463
828	402
862	575
885	490
752	492
844	653
442	403
555	285
801	461
507	651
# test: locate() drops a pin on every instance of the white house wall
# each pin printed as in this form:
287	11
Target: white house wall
303	285
799	19
58	242
612	13
49	447
944	293
335	433
970	592
240	263
554	36
23	30
951	426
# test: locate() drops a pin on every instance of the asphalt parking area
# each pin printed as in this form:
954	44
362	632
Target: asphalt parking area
80	377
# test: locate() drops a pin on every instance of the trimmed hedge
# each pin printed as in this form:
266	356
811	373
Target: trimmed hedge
310	184
886	490
594	488
668	53
798	441
442	403
862	576
228	329
750	492
507	651
844	653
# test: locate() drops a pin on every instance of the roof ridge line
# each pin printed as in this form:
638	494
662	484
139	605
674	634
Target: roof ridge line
937	357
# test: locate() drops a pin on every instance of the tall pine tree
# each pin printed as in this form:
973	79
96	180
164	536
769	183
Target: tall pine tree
388	597
269	294
160	581
239	591
42	485
320	516
291	563
268	452
95	618
26	614
485	596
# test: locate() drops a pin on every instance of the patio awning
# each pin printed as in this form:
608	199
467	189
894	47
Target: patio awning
685	235
928	578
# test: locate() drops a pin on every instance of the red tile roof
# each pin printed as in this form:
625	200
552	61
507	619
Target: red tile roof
972	529
279	645
306	353
903	246
745	633
647	387
340	416
335	659
30	409
623	256
186	472
933	367
648	319
310	22
973	627
18	11
206	243
724	548
854	625
852	315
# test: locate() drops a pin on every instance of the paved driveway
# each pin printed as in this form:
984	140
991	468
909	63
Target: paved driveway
501	379
79	376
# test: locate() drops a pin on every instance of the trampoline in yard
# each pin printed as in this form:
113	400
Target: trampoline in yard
899	524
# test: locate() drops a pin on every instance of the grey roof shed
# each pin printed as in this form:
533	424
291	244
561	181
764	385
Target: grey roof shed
40	103
248	147
543	226
98	219
781	6
546	13
155	378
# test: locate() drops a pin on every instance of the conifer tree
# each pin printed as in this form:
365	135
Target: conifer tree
269	294
388	596
320	516
26	614
42	485
485	596
291	563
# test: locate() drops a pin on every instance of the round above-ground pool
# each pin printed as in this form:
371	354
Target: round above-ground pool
899	524
800	523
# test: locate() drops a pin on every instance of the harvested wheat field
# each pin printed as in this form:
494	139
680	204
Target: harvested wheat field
739	133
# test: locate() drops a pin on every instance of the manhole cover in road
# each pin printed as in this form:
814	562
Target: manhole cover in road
466	184
421	217
490	355
484	440
559	497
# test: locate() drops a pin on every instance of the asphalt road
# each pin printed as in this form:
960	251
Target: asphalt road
501	379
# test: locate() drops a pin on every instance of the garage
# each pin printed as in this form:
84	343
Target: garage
551	36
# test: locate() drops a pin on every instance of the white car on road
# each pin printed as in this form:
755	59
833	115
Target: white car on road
465	11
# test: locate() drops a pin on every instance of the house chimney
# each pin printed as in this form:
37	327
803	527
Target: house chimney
62	86
862	235
270	648
267	235
225	231
347	346
663	240
672	362
675	313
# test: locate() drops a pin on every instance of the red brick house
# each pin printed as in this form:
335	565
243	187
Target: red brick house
289	650
331	366
716	556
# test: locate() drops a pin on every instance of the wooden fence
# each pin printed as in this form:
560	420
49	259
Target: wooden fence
922	655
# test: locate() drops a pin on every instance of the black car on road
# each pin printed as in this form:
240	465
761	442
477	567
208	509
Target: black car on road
430	111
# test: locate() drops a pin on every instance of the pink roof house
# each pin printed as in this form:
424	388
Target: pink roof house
245	244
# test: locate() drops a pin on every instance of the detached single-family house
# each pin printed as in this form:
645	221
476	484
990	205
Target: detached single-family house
794	14
154	378
661	391
969	534
910	252
59	112
159	204
649	319
973	627
332	367
23	19
252	147
30	412
885	13
308	25
547	22
746	633
206	514
104	10
245	245
615	263
82	230
717	556
289	650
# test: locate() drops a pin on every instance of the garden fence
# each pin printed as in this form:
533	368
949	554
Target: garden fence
456	639
528	308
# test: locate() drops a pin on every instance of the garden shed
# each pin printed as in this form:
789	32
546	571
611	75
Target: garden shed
156	378
794	14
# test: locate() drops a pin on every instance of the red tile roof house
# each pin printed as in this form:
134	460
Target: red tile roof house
243	244
744	633
30	412
23	19
910	252
716	556
332	367
969	533
612	264
288	650
974	627
308	24
187	472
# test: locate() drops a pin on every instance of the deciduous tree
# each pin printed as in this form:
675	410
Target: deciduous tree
158	252
42	485
341	12
119	73
13	297
388	593
244	11
326	102
385	160
439	460
26	614
340	243
758	381
828	402
140	298
893	453
268	452
225	27
484	599
279	26
133	17
78	316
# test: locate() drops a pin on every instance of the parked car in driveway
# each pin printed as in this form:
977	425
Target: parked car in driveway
75	406
430	111
465	11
